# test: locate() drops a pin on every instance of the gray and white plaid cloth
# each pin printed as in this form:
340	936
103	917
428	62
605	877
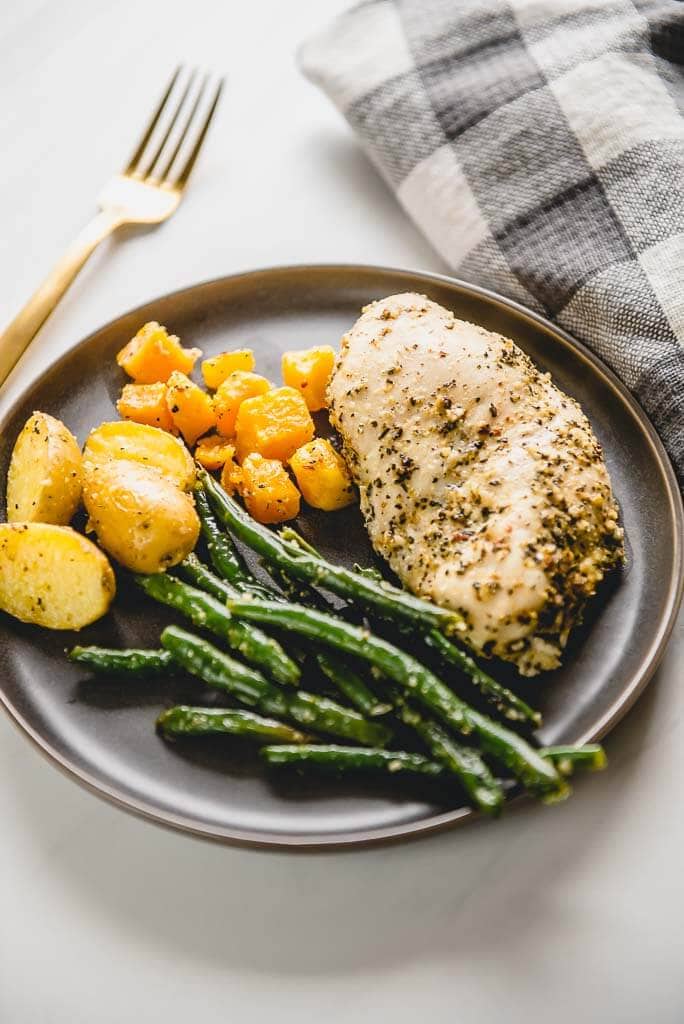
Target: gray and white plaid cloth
539	144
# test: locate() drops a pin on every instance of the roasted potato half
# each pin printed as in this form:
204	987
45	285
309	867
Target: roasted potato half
52	576
136	442
44	477
140	516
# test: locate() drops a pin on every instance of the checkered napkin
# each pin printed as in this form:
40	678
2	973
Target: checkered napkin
539	144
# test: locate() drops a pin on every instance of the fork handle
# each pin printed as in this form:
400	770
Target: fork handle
19	334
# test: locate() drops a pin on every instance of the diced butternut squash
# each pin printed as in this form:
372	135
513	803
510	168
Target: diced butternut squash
153	354
274	425
322	476
308	370
192	410
216	369
213	452
267	491
146	403
231	476
238	386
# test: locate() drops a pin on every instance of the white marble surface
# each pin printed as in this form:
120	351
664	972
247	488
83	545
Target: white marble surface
565	914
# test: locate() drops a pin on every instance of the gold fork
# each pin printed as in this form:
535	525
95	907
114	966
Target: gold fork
147	191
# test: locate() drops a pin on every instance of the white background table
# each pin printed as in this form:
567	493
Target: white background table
565	914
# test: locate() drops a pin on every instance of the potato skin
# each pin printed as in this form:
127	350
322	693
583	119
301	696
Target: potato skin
140	516
52	576
137	442
45	473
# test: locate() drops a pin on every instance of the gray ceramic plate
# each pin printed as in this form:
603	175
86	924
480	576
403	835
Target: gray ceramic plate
102	732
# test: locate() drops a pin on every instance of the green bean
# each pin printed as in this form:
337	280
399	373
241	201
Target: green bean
536	773
195	572
222	552
352	759
350	684
215	668
183	720
288	533
484	790
382	597
368	572
207	612
131	661
591	756
466	763
506	702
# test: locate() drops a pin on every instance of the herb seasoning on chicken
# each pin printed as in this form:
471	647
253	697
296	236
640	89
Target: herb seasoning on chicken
481	483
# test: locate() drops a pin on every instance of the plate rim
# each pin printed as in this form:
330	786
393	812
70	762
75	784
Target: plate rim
341	841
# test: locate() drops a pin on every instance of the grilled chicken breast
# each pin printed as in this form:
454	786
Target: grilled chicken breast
481	483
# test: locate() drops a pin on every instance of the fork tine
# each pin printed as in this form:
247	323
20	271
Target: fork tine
151	173
147	135
182	178
163	175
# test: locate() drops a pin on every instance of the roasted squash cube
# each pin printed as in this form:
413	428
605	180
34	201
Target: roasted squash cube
146	403
192	409
213	452
322	476
231	476
238	386
274	424
216	369
308	370
153	354
267	491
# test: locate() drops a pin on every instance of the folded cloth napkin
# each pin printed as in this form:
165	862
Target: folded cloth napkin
539	144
